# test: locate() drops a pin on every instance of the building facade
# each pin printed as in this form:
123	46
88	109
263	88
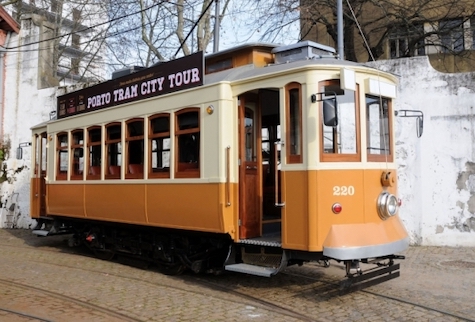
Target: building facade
443	31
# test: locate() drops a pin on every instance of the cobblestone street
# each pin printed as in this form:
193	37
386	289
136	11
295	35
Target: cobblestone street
42	279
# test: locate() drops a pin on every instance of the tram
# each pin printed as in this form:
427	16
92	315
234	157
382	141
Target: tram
248	160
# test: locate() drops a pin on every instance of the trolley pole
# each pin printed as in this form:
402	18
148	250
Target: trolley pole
339	17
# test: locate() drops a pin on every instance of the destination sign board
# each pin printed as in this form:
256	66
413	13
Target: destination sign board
164	78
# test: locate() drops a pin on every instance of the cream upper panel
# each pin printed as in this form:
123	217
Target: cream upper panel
196	97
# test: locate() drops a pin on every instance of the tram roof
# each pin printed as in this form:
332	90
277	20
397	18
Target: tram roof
249	71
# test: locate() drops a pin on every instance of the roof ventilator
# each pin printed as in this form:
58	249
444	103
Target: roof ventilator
302	51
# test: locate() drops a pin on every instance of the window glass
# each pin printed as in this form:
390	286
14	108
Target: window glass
63	156
452	35
135	148
44	151
342	139
472	30
188	143
295	124
378	128
95	153
37	155
77	150
114	150
249	135
159	138
407	40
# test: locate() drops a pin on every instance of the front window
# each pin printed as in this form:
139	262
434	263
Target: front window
378	112
340	142
188	143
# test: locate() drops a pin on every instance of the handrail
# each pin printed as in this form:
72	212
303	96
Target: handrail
228	177
276	174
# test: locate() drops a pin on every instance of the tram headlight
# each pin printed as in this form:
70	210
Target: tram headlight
388	205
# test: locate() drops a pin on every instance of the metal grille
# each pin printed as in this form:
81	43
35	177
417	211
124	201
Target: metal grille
261	259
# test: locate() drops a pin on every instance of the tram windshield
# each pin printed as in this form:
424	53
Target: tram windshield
343	137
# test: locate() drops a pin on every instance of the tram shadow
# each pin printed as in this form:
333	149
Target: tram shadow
19	236
307	281
312	282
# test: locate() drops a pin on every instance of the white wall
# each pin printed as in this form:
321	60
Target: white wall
437	171
23	107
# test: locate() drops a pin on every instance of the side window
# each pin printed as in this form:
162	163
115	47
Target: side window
294	126
113	150
340	142
378	113
159	146
187	134
62	155
94	148
77	152
135	148
40	154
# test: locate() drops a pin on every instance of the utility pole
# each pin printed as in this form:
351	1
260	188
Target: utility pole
216	28
339	19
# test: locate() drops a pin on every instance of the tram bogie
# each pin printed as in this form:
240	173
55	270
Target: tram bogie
250	166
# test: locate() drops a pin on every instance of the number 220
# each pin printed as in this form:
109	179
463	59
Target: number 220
343	190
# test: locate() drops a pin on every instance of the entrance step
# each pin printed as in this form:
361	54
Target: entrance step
252	269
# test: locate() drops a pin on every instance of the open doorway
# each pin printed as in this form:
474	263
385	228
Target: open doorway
259	172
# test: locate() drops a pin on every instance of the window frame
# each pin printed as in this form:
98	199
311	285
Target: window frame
107	143
371	157
62	175
182	169
73	147
90	175
153	136
451	31
340	157
402	36
128	139
293	157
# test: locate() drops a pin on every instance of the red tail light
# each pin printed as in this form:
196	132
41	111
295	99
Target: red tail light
336	208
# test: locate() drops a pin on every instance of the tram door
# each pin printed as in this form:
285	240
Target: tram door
258	127
38	191
249	215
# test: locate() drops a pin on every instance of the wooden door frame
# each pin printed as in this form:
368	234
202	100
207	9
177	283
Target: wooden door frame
242	99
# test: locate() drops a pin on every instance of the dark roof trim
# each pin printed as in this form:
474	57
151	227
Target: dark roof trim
7	23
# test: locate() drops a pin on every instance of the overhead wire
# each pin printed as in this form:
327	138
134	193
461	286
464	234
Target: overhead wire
85	29
387	148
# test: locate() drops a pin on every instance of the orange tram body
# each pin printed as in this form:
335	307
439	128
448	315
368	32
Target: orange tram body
247	160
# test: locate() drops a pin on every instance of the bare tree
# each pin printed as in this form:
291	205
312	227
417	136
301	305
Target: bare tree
161	30
71	31
388	28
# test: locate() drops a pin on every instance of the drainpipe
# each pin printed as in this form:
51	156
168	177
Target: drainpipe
216	28
339	15
2	82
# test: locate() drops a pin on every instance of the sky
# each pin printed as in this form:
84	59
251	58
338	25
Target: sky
238	26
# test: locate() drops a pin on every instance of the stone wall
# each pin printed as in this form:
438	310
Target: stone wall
436	171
